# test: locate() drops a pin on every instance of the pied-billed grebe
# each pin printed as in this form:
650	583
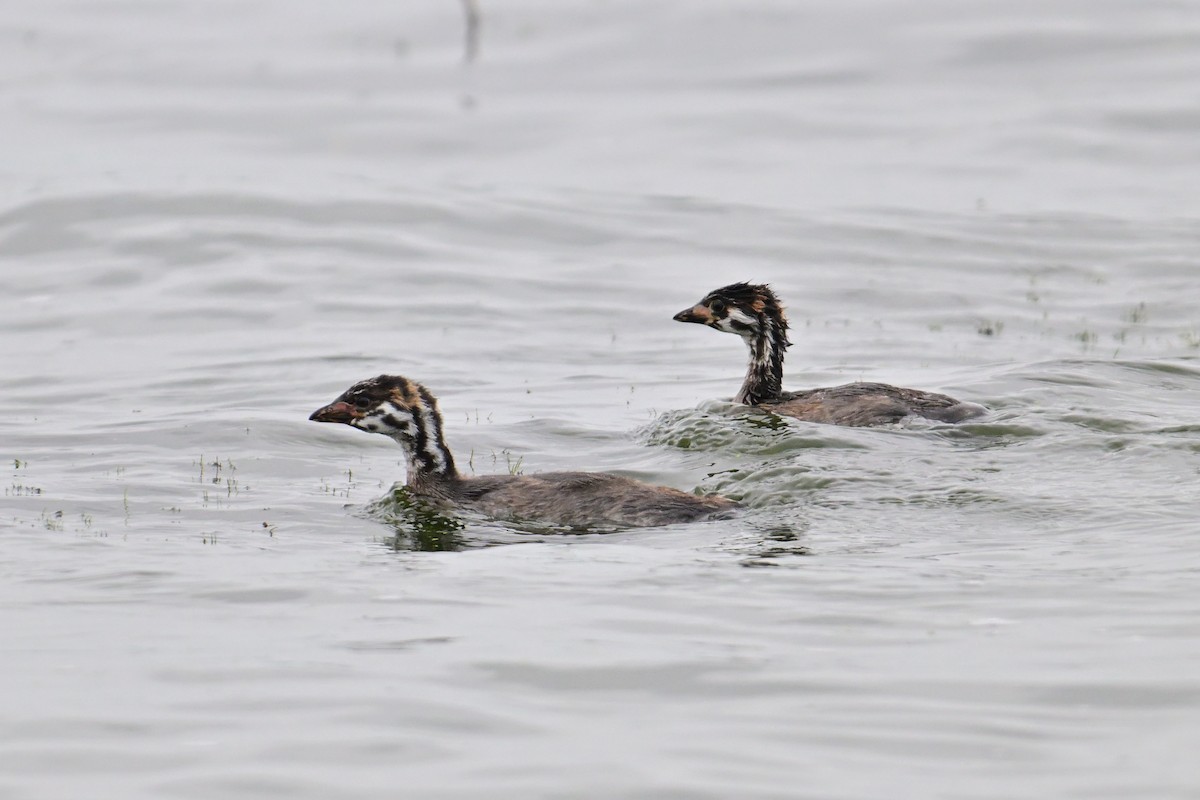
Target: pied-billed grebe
753	312
406	411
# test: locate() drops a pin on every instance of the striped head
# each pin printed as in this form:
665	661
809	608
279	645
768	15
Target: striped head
402	409
747	309
753	312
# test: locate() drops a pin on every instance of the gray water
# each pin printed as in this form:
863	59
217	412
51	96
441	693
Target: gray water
216	216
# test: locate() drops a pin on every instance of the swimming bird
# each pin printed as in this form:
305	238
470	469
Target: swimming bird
406	411
753	312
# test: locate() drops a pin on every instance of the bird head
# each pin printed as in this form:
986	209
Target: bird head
747	309
387	404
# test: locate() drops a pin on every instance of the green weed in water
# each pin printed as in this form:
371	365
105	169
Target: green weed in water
1136	315
419	524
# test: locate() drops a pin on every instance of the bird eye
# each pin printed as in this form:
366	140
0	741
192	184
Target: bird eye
717	306
362	403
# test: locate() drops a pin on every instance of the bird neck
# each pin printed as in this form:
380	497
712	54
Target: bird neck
764	375
429	460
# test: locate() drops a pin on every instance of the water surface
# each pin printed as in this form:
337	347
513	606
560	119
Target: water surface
215	217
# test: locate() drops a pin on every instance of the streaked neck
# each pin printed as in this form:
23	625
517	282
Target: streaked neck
764	375
429	460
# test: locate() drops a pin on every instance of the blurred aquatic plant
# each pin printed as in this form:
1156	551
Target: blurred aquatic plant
473	19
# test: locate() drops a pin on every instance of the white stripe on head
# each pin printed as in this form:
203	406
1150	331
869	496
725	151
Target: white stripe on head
746	326
742	316
388	418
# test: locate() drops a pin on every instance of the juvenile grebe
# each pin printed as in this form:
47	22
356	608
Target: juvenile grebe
753	312
405	410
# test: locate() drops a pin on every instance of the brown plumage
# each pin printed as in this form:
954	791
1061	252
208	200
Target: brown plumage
406	411
753	312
